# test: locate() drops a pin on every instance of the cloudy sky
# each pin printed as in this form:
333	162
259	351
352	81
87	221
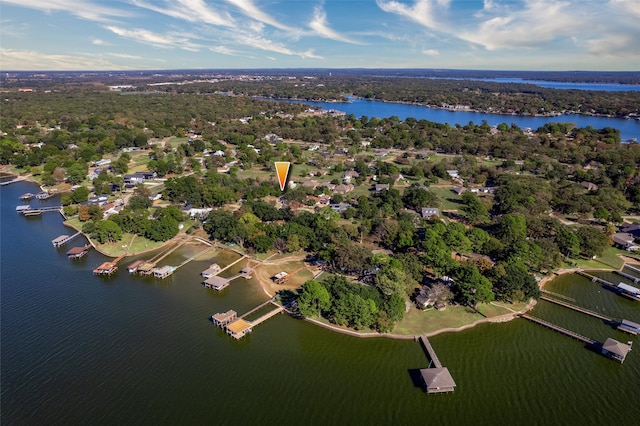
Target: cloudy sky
172	34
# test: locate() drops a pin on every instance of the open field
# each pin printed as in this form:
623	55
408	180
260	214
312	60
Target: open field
609	259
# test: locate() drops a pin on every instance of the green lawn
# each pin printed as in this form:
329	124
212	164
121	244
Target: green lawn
609	258
448	199
420	322
129	243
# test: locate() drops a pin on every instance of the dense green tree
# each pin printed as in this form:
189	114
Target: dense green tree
107	231
80	195
314	299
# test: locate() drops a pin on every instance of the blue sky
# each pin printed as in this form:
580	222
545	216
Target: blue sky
465	34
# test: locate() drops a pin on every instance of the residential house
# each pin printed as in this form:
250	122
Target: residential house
350	174
589	186
429	212
382	186
625	241
343	188
459	189
453	174
340	207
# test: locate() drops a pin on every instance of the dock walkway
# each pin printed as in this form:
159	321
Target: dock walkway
630	277
230	265
577	308
266	316
432	353
559	329
558	295
195	256
64	239
256	308
596	279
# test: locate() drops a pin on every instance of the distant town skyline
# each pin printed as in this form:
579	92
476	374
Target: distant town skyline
62	35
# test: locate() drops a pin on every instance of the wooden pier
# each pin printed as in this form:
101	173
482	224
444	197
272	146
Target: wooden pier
577	308
268	315
9	182
238	327
27	210
633	268
433	358
64	239
547	324
262	305
596	279
78	252
558	295
630	277
436	378
108	268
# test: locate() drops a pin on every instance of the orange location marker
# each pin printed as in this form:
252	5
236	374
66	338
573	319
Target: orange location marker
282	168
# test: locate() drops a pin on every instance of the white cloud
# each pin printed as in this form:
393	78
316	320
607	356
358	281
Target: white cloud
252	11
83	9
622	45
155	39
29	60
259	42
631	7
189	10
539	22
428	13
99	42
321	27
222	49
123	55
431	52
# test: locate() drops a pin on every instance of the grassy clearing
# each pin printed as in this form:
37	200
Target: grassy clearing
129	244
449	199
609	259
420	322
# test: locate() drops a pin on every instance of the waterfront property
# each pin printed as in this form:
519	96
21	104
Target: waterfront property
133	268
615	350
216	283
61	240
246	273
146	268
212	270
629	327
239	328
280	277
437	379
106	268
223	319
163	272
629	291
78	252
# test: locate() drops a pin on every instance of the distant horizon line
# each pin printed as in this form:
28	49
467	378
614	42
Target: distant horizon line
318	69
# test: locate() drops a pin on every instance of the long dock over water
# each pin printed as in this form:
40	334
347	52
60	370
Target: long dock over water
577	308
64	239
436	378
432	353
561	330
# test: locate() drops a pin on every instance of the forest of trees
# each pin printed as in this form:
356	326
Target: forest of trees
489	250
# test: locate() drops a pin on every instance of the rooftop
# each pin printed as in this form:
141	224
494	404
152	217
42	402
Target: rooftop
437	379
239	326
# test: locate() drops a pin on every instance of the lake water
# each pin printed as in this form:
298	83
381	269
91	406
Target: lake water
564	85
78	349
359	107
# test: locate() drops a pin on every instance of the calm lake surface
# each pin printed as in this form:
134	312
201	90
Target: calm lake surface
78	349
359	107
564	85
